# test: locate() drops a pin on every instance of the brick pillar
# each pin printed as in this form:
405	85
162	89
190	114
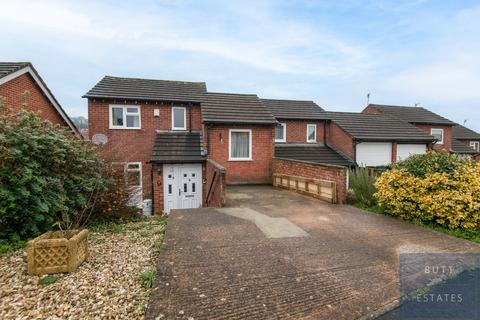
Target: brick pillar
157	189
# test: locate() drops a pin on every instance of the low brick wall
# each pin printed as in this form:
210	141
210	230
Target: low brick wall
310	170
215	193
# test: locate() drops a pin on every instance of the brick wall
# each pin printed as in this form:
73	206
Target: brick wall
447	136
371	110
215	191
340	140
134	145
23	92
297	130
258	170
314	171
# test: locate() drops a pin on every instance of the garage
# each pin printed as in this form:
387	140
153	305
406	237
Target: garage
406	150
373	154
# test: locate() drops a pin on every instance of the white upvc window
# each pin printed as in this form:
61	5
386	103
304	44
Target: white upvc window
437	134
311	133
240	144
124	116
281	132
475	145
179	118
132	172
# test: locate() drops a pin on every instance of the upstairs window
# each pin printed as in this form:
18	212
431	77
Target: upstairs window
437	134
475	145
179	118
240	144
280	132
124	117
311	133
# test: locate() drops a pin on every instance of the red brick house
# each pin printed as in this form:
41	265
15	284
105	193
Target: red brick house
466	141
170	135
21	87
429	122
178	144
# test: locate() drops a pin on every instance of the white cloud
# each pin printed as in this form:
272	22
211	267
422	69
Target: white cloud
264	40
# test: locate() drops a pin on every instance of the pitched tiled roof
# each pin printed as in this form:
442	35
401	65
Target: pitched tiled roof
235	108
412	114
459	147
10	68
311	153
170	147
7	68
294	109
463	133
148	90
378	127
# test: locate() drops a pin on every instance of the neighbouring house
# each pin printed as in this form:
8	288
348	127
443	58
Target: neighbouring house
301	148
429	122
239	133
375	139
21	87
466	141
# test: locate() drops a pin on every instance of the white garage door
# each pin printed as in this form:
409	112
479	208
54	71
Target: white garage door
406	150
372	154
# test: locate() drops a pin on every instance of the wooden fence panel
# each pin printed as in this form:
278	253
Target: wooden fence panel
320	189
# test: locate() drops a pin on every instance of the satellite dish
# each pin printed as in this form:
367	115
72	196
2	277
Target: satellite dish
99	139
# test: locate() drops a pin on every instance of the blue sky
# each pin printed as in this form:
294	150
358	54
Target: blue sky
332	52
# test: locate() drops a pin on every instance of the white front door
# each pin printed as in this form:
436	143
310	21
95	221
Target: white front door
182	186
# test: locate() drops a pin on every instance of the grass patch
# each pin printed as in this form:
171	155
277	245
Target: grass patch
148	277
8	247
470	235
107	227
47	280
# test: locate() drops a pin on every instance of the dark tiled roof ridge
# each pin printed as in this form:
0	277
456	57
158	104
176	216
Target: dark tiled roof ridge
7	68
293	100
150	79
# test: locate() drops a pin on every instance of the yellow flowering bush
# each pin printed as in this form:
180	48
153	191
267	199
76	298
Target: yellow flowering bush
451	199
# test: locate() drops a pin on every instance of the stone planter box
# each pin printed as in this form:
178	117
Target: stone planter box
57	251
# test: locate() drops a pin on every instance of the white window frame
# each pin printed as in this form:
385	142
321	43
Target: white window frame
125	113
475	145
315	137
438	130
126	170
284	126
249	158
184	118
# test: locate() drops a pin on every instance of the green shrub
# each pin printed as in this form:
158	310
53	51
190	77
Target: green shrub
47	175
147	278
47	280
437	190
361	183
420	165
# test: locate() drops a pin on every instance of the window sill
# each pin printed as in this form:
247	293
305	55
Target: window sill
239	160
114	128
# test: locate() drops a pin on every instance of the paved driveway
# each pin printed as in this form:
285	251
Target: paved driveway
274	254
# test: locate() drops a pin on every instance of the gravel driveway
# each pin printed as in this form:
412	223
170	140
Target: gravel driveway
219	265
106	286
